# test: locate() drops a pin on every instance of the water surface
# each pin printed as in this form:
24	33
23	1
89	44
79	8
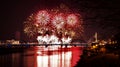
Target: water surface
41	56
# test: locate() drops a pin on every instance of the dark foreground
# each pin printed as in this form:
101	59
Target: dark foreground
103	56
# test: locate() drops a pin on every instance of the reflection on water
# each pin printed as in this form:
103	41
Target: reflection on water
41	56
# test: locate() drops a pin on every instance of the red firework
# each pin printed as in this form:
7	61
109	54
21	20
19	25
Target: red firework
43	17
58	21
72	19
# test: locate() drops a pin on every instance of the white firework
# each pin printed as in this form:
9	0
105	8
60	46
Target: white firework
66	40
48	39
58	21
72	19
43	17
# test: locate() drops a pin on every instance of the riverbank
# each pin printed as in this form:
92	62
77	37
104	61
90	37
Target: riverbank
100	57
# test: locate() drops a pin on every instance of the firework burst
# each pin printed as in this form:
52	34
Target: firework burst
43	17
54	25
72	19
30	29
58	21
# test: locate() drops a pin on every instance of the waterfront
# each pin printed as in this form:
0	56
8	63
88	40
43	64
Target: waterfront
42	56
107	55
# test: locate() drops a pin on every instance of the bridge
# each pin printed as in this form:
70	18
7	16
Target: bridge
31	45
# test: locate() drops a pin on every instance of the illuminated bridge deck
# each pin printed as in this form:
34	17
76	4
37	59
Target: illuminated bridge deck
31	45
13	48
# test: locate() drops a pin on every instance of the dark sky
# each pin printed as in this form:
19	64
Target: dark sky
98	16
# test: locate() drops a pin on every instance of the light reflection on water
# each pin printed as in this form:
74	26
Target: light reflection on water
41	56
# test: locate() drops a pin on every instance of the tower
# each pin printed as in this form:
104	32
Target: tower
96	37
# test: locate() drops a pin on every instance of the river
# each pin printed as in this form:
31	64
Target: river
41	56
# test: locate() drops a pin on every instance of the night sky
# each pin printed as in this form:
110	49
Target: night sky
98	16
